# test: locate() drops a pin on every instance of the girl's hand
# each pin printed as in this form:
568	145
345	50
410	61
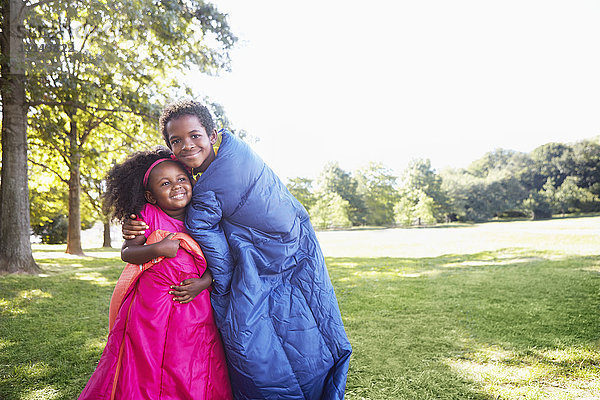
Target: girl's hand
133	227
168	247
188	289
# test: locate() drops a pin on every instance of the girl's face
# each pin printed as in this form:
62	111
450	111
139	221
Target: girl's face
190	142
169	188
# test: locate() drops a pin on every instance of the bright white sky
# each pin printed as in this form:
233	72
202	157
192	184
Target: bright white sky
381	80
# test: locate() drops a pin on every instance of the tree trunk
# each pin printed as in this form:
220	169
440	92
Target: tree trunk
107	238
74	230
15	230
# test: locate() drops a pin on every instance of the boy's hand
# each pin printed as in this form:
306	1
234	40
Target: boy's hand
168	247
133	227
188	289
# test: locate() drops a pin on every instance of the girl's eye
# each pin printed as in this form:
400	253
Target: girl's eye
164	183
175	141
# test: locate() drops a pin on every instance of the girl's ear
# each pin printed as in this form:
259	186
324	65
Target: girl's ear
149	197
214	136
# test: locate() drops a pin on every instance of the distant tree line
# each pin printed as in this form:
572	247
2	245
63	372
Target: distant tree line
555	178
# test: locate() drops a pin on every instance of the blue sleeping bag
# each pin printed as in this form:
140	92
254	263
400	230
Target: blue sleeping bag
273	300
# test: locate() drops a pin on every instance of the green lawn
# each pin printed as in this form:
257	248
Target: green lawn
506	310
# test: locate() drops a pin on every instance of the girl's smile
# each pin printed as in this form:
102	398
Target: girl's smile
169	187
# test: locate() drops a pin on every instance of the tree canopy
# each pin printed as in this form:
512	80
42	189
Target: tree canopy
89	78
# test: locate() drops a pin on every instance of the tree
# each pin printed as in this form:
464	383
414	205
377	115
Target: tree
15	245
484	196
538	206
419	177
552	160
330	211
376	186
98	155
569	197
333	179
415	208
493	160
424	210
586	159
92	185
48	202
404	211
501	163
300	188
110	75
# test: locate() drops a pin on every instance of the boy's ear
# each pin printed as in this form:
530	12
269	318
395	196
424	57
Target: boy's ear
214	136
149	197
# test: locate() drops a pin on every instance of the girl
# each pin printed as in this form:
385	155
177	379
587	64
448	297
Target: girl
159	348
273	300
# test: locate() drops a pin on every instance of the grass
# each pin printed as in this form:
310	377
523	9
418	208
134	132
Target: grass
484	326
503	310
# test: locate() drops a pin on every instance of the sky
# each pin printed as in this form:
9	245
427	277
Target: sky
388	81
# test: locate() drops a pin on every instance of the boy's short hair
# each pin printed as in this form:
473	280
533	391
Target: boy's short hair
185	107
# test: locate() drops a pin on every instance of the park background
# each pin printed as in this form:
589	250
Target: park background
450	152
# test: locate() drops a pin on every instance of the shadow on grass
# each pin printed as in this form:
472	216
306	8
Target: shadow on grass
502	324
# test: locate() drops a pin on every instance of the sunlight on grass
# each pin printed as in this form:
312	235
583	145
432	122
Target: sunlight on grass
47	393
33	370
100	272
555	373
508	261
96	344
593	268
5	343
17	306
50	268
378	274
33	294
10	308
95	278
429	267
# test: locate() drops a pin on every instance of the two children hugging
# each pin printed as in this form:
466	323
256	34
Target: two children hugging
163	341
272	298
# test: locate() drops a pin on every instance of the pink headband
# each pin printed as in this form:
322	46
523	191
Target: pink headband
154	164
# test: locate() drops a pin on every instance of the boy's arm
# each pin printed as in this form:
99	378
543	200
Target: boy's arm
133	227
135	252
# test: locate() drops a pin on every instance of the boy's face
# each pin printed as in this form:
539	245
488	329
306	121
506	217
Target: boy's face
190	142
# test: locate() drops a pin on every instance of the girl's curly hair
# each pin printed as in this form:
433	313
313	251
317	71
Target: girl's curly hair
185	107
124	183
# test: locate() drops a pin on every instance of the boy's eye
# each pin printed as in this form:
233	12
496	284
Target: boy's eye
175	141
195	136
